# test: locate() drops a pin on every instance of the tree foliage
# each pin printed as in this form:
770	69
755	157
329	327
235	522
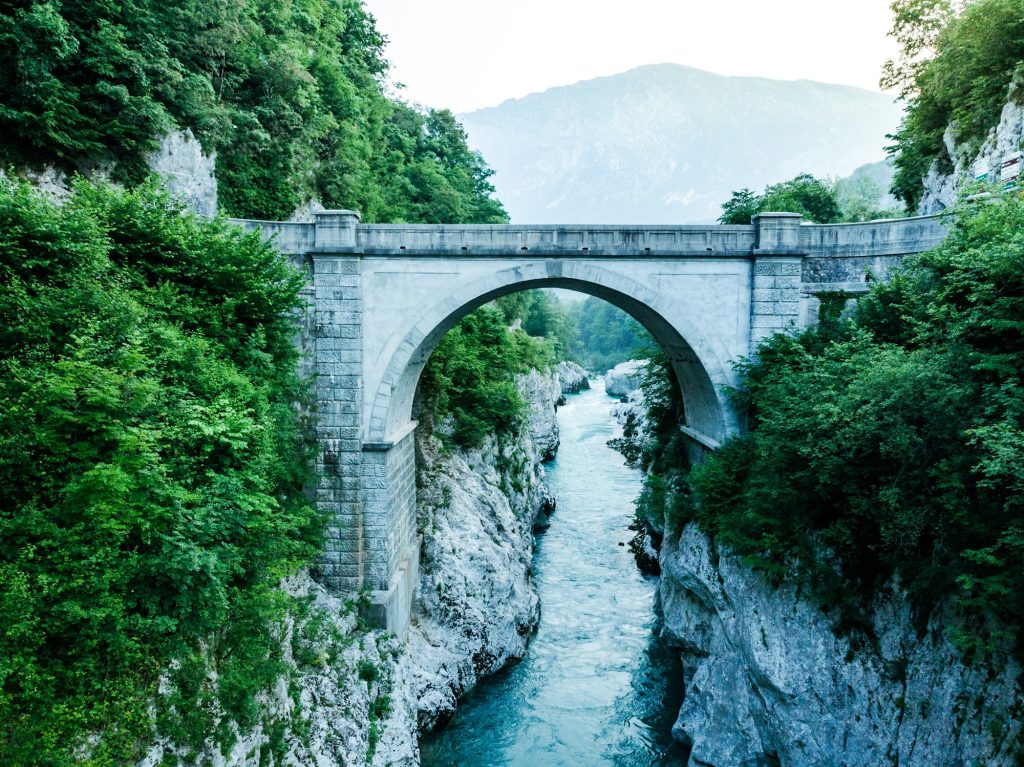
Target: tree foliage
895	438
151	467
955	73
814	199
541	314
291	96
607	335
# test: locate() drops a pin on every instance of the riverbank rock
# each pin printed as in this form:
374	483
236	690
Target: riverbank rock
772	680
541	392
572	378
476	606
624	378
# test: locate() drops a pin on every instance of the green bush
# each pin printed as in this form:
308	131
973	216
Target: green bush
895	439
151	468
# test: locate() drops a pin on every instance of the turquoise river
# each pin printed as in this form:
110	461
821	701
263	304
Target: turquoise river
597	686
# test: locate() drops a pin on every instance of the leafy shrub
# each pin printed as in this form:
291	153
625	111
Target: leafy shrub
894	439
151	467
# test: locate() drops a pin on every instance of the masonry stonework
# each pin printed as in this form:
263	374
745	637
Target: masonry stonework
384	295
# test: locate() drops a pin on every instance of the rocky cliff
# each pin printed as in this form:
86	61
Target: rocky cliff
185	170
942	186
772	680
476	606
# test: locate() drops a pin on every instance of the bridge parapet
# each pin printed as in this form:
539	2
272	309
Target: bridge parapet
889	237
341	231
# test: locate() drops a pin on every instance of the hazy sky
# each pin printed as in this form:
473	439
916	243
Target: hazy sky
467	54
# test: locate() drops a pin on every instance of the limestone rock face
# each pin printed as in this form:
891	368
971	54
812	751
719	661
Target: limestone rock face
323	705
624	378
770	681
941	189
541	393
476	605
572	378
187	171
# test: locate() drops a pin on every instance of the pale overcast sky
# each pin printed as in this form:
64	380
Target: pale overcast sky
467	54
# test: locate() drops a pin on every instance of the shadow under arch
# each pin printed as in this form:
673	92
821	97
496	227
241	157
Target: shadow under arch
701	369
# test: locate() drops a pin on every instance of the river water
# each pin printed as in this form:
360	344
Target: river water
597	687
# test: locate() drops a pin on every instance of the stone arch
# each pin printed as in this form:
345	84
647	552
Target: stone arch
700	362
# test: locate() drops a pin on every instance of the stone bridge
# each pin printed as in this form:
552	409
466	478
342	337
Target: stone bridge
382	296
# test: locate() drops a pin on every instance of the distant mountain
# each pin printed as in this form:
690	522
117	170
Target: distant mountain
668	144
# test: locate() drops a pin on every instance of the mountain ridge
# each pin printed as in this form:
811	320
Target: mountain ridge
667	143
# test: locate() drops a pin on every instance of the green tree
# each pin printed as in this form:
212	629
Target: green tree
804	194
893	439
152	460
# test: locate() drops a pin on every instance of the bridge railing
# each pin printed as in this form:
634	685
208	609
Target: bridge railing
335	231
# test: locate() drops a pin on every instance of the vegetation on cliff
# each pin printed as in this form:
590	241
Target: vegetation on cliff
153	448
892	438
292	96
956	65
151	468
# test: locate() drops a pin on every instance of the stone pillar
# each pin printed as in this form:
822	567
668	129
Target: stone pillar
336	230
339	398
391	547
778	260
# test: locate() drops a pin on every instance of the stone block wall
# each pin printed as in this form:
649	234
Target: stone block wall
389	509
338	354
776	296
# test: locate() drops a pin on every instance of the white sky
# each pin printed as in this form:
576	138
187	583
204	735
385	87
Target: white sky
467	54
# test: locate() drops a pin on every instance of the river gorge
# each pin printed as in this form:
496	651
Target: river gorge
597	685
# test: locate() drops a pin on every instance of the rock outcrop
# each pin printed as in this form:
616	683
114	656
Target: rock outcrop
572	378
476	606
771	680
345	699
624	378
187	171
942	188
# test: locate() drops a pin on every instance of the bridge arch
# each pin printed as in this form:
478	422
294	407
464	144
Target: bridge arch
382	296
698	361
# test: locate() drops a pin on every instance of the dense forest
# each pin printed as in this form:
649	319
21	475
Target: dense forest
293	98
957	63
605	335
152	452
